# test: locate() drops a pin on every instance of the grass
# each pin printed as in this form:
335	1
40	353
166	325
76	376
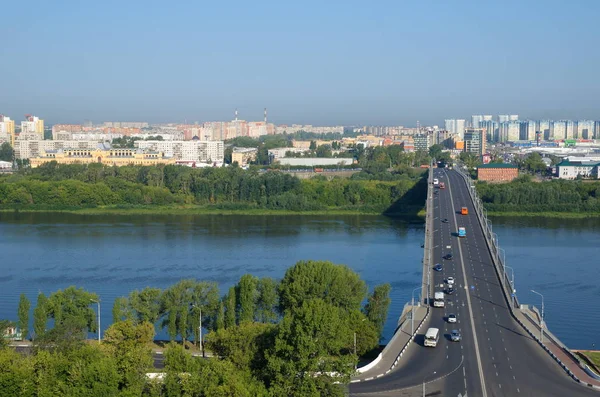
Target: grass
200	210
547	214
594	357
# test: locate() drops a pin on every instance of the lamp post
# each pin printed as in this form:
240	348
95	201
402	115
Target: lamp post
412	311
542	320
200	345
98	302
434	372
512	283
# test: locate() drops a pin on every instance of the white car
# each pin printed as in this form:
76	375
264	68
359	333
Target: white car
451	318
450	280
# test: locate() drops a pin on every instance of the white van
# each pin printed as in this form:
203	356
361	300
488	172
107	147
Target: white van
432	337
436	182
438	299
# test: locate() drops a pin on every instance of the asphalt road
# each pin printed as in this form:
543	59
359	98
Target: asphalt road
496	356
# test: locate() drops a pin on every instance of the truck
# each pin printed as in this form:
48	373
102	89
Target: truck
464	211
442	185
462	232
438	299
432	336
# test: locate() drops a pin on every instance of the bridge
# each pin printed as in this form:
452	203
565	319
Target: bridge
502	351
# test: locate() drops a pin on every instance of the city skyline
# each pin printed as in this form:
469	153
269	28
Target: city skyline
388	63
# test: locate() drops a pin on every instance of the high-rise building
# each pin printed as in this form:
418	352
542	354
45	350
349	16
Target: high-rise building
422	142
559	130
32	124
530	130
510	131
7	129
570	129
502	118
513	117
544	129
475	141
194	150
476	120
491	129
585	129
456	127
487	117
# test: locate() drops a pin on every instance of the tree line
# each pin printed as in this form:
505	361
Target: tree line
523	195
293	337
58	186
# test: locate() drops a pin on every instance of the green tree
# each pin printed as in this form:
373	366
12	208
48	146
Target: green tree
6	152
266	307
73	305
435	151
120	310
377	306
23	312
129	344
40	315
246	291
146	304
220	323
313	145
337	285
230	308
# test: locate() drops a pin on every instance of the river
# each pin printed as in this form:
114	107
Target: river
113	255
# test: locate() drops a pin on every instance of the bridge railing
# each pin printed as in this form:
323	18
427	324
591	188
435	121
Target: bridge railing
428	241
498	254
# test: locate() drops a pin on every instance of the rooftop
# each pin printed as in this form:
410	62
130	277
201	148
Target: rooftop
497	165
582	163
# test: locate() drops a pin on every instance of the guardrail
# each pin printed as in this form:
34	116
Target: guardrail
508	293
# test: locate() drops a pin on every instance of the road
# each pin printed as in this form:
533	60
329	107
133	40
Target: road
496	356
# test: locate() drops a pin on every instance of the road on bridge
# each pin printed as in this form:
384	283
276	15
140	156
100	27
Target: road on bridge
496	356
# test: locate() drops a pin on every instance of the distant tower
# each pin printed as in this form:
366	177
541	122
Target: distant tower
236	114
418	126
265	115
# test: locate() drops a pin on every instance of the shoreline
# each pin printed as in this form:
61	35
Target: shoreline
545	214
199	210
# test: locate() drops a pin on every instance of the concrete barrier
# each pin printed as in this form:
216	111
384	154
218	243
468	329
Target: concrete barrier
370	365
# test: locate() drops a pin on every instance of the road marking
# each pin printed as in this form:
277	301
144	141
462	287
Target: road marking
479	366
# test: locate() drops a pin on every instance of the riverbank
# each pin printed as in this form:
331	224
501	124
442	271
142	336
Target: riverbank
209	210
546	214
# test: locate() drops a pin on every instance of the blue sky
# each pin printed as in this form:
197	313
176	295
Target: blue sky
320	62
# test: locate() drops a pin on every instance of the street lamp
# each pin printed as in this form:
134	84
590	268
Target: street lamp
512	283
98	302
412	311
434	372
542	320
200	328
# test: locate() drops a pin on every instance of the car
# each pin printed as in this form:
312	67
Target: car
455	336
450	280
448	256
450	290
445	220
437	267
451	318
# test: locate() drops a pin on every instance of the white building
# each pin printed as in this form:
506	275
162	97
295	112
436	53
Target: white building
33	124
570	169
456	127
314	162
510	131
559	130
194	150
531	130
570	129
544	128
27	148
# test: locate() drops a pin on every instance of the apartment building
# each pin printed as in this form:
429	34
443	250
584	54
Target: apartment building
28	146
194	150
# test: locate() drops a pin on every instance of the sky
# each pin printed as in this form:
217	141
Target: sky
311	62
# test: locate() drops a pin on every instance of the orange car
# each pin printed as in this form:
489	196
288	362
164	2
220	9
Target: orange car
464	211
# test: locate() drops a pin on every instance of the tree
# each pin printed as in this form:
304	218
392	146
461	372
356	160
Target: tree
377	306
247	294
120	310
40	315
337	285
73	305
220	323
146	304
230	309
23	312
266	307
6	152
129	344
435	151
313	145
312	339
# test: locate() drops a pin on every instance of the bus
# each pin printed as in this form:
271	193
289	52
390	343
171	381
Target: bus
432	336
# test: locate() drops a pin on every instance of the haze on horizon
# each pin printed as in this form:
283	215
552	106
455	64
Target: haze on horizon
324	63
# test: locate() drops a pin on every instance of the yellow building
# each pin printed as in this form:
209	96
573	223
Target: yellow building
243	155
116	156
